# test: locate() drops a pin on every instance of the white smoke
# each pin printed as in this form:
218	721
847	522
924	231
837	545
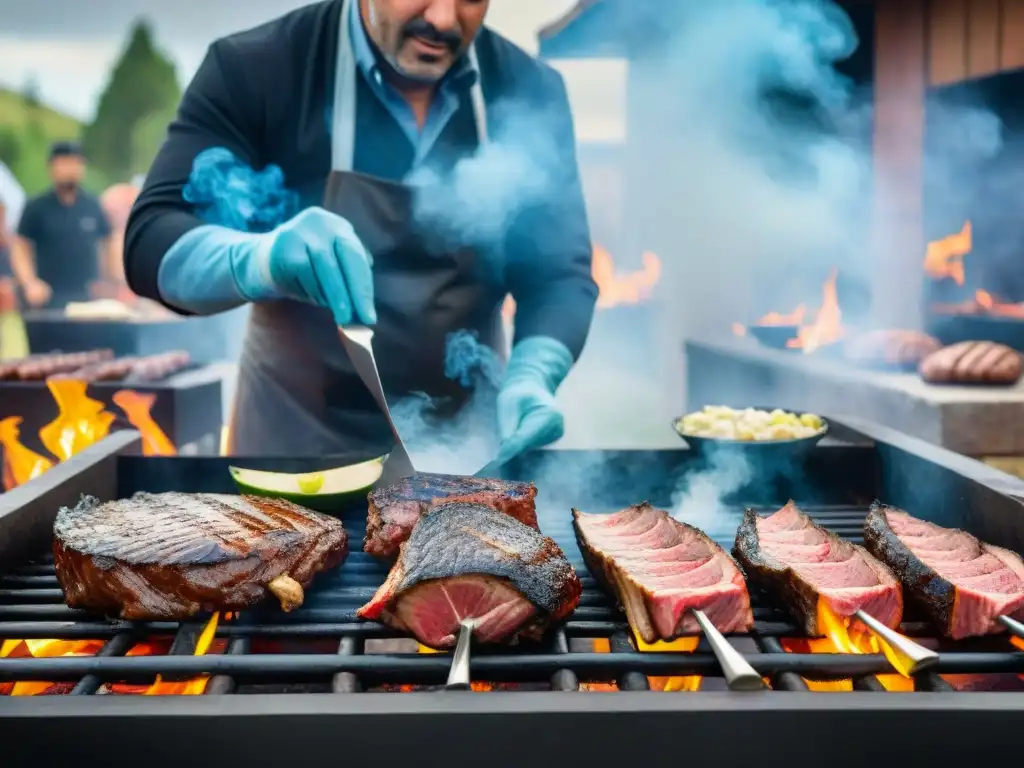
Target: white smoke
700	498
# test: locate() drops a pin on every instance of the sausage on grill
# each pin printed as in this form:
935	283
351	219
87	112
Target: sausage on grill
973	362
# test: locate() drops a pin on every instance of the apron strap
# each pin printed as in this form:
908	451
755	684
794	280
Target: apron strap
343	120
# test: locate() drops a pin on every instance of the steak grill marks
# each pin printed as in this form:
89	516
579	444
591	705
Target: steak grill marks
31	606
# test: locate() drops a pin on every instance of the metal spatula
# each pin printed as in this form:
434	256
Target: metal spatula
358	342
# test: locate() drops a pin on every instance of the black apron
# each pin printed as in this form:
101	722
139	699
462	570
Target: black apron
298	394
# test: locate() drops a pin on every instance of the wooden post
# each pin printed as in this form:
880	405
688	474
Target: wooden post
901	76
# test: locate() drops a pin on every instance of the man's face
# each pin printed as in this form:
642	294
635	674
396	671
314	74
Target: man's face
67	171
421	39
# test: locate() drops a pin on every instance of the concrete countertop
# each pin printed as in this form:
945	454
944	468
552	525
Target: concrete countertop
975	420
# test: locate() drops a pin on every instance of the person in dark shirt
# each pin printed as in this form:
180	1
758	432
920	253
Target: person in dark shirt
349	98
63	241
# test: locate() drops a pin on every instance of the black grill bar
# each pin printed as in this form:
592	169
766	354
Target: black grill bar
563	679
433	668
116	646
628	680
348	682
220	685
786	681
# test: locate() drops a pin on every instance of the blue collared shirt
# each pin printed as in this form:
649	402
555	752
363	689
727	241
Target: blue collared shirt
462	76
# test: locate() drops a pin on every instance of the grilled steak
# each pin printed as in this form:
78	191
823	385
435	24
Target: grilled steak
660	569
395	509
174	555
973	362
472	561
962	584
799	563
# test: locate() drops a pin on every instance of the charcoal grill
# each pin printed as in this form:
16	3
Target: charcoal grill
317	694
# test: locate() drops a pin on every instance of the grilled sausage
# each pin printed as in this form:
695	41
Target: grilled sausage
107	370
891	347
45	366
973	362
160	366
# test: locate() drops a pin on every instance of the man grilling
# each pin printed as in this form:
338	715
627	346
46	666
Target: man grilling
348	98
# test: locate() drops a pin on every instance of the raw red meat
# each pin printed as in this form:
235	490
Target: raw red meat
660	569
798	562
962	583
472	561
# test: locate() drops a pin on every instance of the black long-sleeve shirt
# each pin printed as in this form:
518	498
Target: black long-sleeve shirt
266	95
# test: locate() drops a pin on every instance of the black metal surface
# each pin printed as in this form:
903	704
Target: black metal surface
188	407
323	647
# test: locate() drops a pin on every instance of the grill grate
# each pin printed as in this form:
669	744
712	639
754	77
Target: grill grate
322	646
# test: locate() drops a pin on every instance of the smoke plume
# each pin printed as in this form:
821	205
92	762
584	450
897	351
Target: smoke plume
464	442
701	497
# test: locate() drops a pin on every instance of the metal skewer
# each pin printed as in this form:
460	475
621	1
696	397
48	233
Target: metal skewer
1015	627
458	675
739	675
358	342
911	657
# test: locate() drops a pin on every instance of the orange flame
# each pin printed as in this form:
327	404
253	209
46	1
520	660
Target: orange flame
837	638
680	645
137	408
56	648
1017	642
614	289
81	421
630	288
190	687
827	327
945	258
42	649
21	464
599	645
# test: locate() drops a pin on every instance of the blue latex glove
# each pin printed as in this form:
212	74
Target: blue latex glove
527	415
315	258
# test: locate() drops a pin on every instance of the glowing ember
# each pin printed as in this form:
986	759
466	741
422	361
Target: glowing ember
81	421
680	645
837	638
21	464
137	408
1018	643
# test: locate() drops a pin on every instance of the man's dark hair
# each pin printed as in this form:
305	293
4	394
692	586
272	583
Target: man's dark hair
66	149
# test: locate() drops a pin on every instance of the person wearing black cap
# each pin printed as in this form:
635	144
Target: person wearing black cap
63	242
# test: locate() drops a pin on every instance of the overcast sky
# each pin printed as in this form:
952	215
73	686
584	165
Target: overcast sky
68	46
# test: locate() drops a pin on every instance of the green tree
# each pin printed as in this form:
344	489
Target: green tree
10	147
143	86
148	137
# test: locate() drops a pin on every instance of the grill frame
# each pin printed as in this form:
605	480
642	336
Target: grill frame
901	465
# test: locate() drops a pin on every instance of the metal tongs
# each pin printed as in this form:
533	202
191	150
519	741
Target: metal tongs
738	674
904	654
458	675
358	343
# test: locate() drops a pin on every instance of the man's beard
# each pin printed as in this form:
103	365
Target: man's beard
66	186
416	28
